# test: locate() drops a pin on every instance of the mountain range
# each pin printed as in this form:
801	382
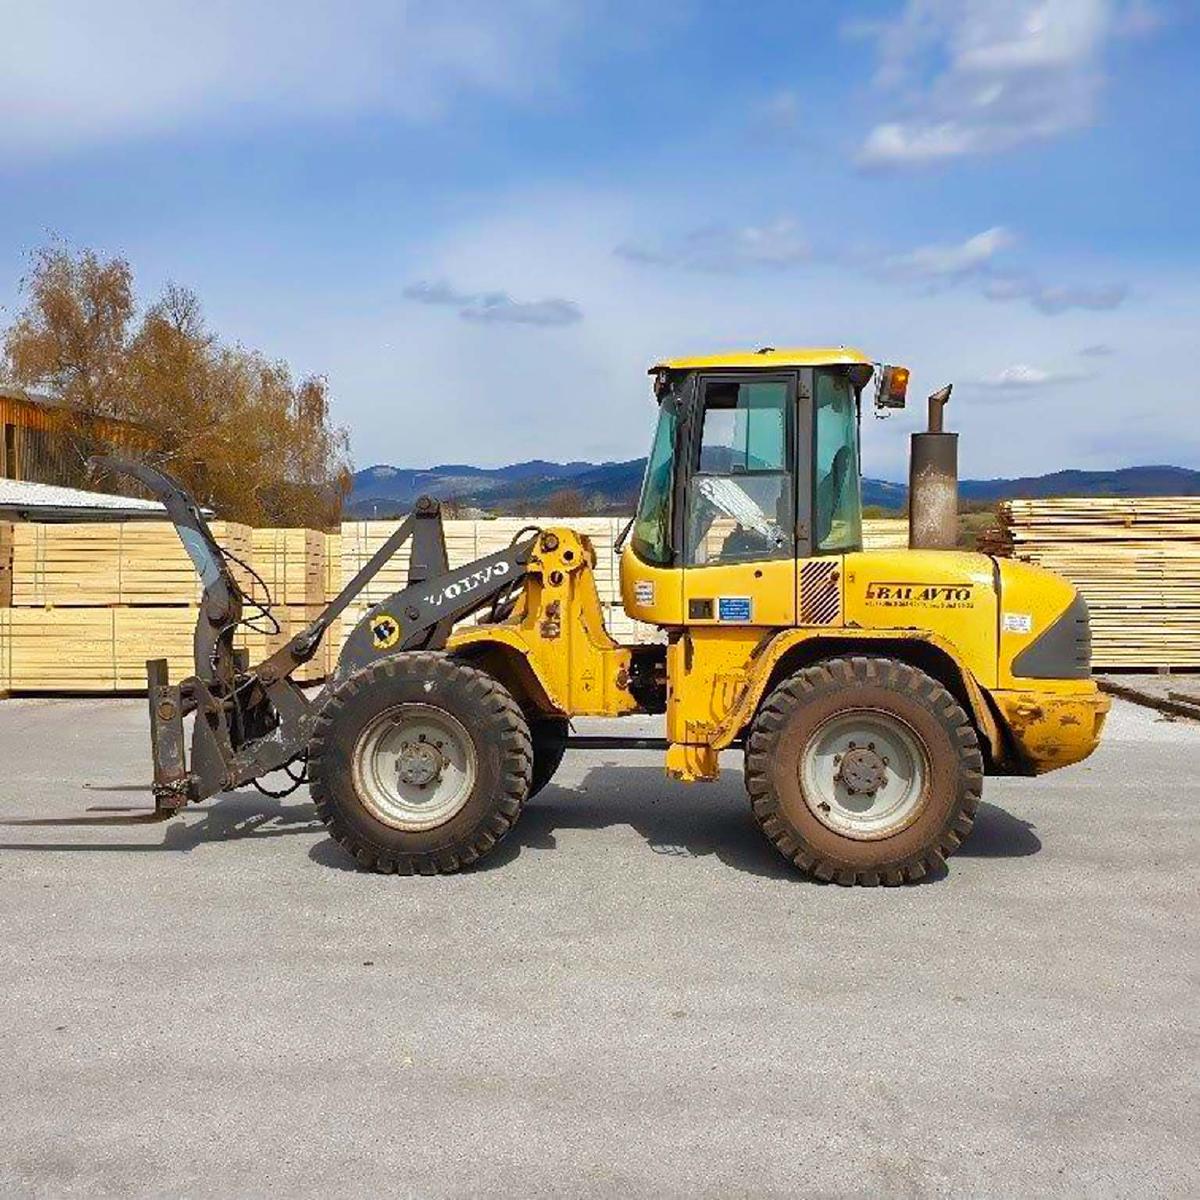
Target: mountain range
612	487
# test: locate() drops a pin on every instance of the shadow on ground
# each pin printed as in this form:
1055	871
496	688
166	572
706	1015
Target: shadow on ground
231	817
671	818
684	821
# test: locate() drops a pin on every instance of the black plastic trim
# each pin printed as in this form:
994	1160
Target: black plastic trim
1063	651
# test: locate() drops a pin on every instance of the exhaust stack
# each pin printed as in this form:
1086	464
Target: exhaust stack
933	482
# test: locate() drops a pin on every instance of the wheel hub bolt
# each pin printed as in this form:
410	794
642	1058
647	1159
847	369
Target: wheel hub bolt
419	764
861	771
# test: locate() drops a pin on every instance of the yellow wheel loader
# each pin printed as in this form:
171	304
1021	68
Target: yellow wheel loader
869	691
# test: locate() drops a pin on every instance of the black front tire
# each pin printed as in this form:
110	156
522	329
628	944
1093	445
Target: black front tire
499	741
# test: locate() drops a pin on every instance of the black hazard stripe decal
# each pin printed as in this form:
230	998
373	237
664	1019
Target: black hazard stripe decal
820	596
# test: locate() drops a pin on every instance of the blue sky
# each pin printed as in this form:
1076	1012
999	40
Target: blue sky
485	221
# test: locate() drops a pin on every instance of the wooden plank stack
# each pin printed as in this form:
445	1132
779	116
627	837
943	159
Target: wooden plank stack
6	567
1136	561
90	603
82	606
885	533
112	562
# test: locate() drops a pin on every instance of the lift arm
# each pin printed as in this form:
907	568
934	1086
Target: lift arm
250	721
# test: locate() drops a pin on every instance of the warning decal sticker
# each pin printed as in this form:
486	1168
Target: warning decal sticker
385	631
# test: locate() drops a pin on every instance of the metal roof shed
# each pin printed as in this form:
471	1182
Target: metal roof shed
44	502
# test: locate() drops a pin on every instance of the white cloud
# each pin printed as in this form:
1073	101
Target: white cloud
721	248
591	398
495	307
501	308
976	76
1054	298
1097	350
894	143
73	72
731	250
954	261
1022	377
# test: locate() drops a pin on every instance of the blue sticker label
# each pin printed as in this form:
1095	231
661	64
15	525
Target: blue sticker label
733	608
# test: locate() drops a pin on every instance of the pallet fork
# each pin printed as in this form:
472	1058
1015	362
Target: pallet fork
253	720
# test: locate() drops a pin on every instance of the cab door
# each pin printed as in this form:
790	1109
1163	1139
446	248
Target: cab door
739	521
835	498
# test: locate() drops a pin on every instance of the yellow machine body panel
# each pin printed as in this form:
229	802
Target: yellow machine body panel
757	360
566	660
948	594
741	594
653	595
745	591
718	671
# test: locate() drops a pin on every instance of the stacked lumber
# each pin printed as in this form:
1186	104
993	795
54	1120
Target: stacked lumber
290	573
141	566
289	564
332	644
5	651
112	562
263	636
1136	561
92	602
885	533
6	567
333	565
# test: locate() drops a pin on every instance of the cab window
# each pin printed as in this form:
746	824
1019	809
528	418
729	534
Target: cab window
651	539
839	501
740	495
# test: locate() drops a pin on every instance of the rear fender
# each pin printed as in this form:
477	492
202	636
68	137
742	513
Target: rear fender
792	649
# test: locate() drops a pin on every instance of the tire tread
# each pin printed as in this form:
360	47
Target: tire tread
517	763
790	694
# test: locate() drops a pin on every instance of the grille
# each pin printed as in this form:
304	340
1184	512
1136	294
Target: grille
820	595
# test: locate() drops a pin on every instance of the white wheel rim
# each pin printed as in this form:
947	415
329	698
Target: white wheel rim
864	774
414	767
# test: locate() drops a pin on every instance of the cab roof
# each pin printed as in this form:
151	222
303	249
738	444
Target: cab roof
768	356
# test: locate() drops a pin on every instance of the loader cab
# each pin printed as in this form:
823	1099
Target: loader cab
754	465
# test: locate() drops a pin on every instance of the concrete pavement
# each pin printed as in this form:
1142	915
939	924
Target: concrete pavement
634	994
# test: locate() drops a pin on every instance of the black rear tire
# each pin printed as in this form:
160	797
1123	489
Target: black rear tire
549	735
495	738
884	693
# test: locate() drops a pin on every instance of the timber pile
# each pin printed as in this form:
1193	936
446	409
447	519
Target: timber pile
90	603
6	581
1136	561
885	533
112	562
